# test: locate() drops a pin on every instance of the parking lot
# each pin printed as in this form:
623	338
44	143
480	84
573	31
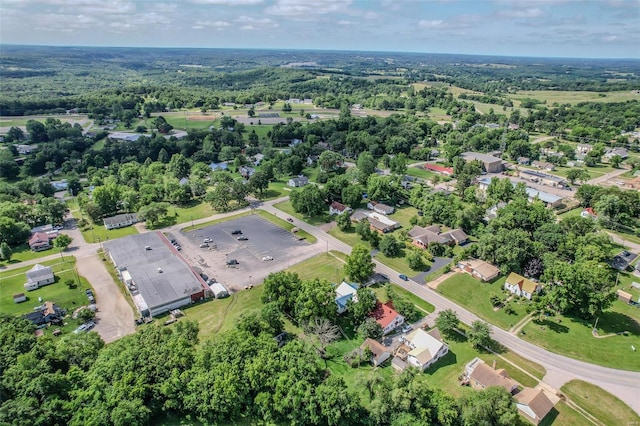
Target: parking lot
264	240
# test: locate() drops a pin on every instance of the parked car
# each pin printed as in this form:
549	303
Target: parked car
267	258
232	262
207	240
407	328
290	220
84	327
403	277
242	238
204	245
236	232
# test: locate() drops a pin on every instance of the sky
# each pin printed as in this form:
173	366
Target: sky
545	28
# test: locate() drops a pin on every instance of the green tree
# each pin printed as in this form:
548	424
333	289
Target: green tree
389	246
576	174
415	260
398	164
615	161
344	222
366	166
315	299
309	200
492	406
352	195
360	310
5	251
153	212
259	181
359	265
480	334
330	161
281	288
62	241
179	166
370	329
448	322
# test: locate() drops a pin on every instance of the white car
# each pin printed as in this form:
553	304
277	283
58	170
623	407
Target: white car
266	258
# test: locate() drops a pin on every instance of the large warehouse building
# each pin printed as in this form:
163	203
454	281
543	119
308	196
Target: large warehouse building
157	277
490	164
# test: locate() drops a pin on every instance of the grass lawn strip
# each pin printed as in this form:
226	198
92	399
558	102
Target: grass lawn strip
22	253
214	222
475	296
600	404
286	225
286	207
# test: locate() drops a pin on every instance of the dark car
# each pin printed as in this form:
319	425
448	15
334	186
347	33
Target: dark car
236	232
232	262
403	277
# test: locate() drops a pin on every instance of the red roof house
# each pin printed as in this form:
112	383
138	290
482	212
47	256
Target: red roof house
447	171
387	317
39	241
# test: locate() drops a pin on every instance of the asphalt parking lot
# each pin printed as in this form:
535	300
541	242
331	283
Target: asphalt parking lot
263	239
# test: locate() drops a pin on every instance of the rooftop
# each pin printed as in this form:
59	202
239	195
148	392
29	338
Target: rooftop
480	156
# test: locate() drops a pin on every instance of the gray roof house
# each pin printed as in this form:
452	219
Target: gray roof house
39	276
297	182
120	221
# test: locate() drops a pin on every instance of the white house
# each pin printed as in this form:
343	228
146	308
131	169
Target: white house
338	208
387	317
521	286
297	182
345	292
379	353
120	220
380	208
533	404
425	348
39	276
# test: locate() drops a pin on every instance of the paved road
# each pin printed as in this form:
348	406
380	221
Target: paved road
560	369
604	178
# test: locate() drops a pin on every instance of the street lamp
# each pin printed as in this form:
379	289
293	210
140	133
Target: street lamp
250	281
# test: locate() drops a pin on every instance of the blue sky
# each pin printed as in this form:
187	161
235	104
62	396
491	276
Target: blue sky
557	28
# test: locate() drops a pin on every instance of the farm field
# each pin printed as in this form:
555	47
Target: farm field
574	97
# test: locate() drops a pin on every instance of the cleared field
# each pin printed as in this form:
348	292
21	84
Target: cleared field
574	97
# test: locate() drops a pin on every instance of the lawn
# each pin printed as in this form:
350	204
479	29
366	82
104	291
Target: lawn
420	303
572	337
195	210
403	216
562	414
94	233
22	253
475	296
420	173
594	172
276	189
12	282
286	225
600	403
325	266
286	207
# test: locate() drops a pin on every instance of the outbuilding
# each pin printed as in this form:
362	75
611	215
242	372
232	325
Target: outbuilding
219	291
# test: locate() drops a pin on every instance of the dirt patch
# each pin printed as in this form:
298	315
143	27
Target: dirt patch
202	117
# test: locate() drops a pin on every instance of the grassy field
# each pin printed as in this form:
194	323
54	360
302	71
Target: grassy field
95	233
572	337
403	216
600	403
276	189
573	97
421	304
22	253
286	207
325	266
213	222
286	225
420	172
562	415
475	296
594	172
12	282
195	210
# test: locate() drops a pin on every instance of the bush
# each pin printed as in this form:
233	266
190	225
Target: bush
355	358
71	284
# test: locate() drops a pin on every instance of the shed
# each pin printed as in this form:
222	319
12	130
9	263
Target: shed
19	298
219	291
623	296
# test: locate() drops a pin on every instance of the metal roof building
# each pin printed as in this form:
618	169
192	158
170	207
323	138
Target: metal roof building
157	277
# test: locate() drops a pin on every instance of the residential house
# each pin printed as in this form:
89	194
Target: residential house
120	220
25	149
421	349
380	208
521	286
480	376
612	152
423	237
492	212
382	223
219	166
479	269
549	200
345	292
246	171
19	298
49	313
338	208
125	137
257	159
583	148
60	185
387	317
543	165
359	215
589	213
39	276
525	161
458	236
379	353
298	182
184	181
40	241
490	164
311	160
446	171
622	260
533	404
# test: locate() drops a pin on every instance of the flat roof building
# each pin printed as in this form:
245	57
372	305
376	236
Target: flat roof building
155	274
490	164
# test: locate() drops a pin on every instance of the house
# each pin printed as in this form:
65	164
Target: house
312	159
589	213
423	237
533	404
548	199
521	286
543	165
379	353
47	229
25	149
120	220
215	167
184	181
421	349
298	182
542	178
622	260
345	292
380	208
480	376
49	313
382	223
490	164
246	171
583	148
479	269
40	241
612	152
457	235
492	212
338	208
525	161
125	137
39	276
623	296
60	185
19	298
257	159
359	215
387	317
446	171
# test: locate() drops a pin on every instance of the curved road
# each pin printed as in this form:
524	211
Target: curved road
560	369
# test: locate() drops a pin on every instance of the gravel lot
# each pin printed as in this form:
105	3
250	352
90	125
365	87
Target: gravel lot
264	239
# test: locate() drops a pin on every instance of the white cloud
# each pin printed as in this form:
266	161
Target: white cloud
229	2
91	7
250	23
345	22
532	12
307	7
456	23
435	23
199	25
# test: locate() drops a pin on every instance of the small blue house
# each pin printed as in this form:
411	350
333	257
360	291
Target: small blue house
345	292
218	166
